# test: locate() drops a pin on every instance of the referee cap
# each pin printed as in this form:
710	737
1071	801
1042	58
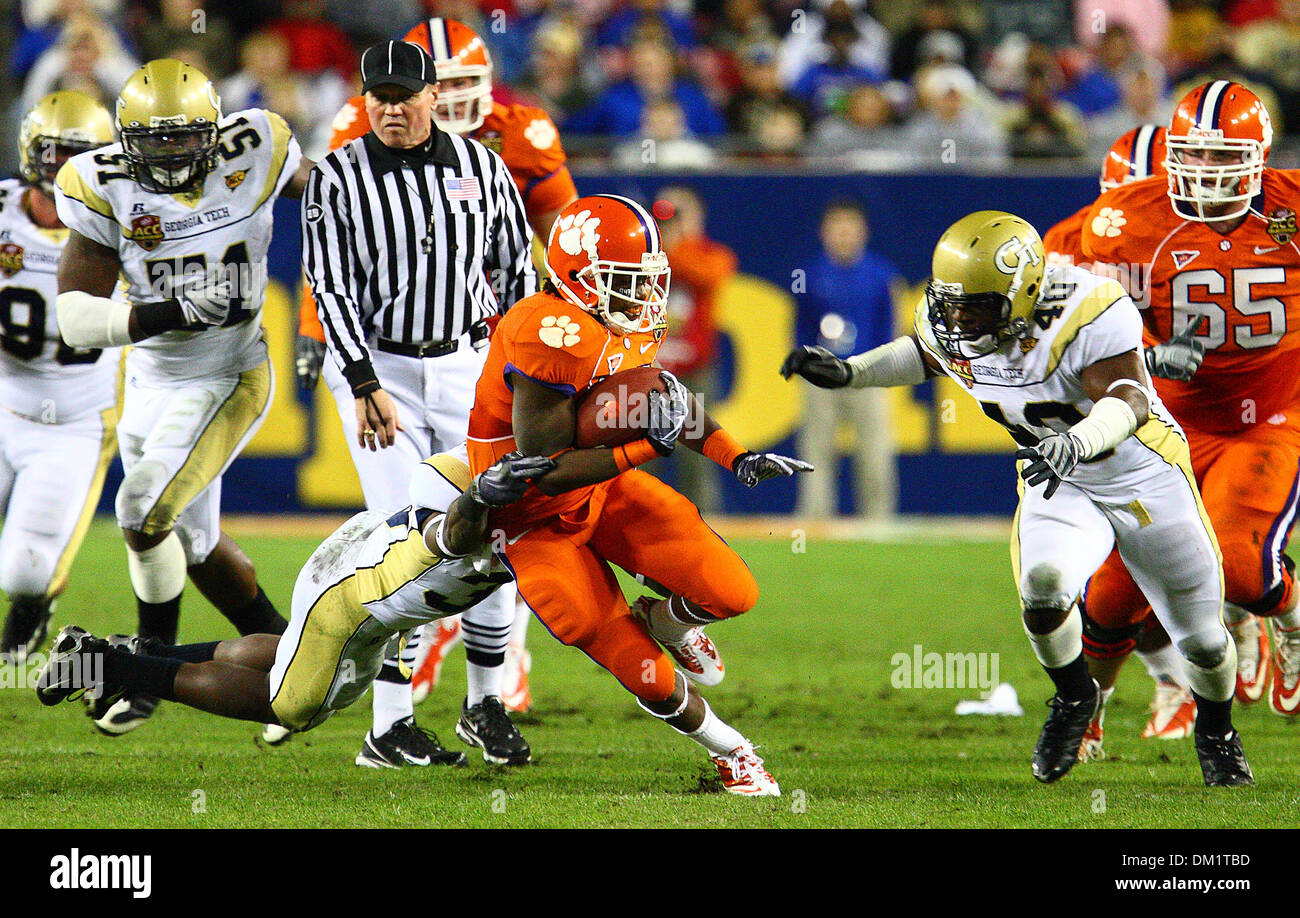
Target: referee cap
400	63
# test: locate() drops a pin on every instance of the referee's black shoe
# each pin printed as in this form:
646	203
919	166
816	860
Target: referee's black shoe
487	726
405	744
1223	761
1058	744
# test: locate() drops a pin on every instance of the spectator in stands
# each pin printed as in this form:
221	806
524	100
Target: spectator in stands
635	17
665	142
560	81
866	123
1042	125
618	110
760	93
88	56
178	27
848	309
1193	27
806	43
1238	13
1097	89
265	80
1273	46
372	21
43	23
950	127
316	44
1220	64
823	85
780	135
1143	102
701	267
934	37
1146	22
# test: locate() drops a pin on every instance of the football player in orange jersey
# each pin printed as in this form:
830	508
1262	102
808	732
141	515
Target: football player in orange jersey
1136	155
604	310
1211	252
529	143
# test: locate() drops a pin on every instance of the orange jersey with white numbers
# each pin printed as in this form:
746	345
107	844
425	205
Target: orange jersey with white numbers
1064	240
525	138
562	347
1243	287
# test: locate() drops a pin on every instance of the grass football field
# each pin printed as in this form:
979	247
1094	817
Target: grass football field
810	678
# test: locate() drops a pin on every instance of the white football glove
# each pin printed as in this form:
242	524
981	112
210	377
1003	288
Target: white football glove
207	301
1051	460
1179	357
751	468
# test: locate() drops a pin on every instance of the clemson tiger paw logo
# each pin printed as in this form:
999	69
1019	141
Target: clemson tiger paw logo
1109	222
559	331
578	233
541	133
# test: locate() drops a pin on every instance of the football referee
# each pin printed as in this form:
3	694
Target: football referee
412	238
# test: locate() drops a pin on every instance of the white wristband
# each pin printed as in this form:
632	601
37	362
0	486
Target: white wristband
86	320
1109	424
897	363
439	525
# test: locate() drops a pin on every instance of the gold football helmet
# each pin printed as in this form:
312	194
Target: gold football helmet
61	125
167	115
986	276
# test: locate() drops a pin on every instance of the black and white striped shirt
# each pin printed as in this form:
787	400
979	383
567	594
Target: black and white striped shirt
412	246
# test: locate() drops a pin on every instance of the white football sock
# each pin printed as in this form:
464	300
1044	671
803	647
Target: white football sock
481	681
392	702
158	573
666	626
1061	646
1164	665
523	614
715	735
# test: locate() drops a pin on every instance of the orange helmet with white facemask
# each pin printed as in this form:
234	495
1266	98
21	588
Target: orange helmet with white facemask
1218	143
1139	154
605	256
459	55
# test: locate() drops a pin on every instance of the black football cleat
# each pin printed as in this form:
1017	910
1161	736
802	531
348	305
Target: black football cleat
487	726
1058	745
75	667
1223	761
115	716
25	628
406	744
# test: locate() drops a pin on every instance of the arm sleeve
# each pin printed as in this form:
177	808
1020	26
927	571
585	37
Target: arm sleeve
328	263
510	257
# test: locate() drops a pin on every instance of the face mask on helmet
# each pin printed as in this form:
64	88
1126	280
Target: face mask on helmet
170	160
464	98
969	325
630	298
1210	171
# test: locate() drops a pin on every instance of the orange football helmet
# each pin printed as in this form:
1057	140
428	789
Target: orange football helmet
461	56
1139	154
605	256
1218	143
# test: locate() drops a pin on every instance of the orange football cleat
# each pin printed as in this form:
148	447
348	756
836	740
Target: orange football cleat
1173	713
445	634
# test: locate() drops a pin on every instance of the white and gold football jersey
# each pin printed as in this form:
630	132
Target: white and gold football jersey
164	241
42	378
1034	387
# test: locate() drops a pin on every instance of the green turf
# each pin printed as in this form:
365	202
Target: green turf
808	679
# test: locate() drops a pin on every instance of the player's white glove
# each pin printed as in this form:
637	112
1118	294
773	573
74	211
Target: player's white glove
1179	357
1051	460
507	480
751	468
667	415
208	300
817	365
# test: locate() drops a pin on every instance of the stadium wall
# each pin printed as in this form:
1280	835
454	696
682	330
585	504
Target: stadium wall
952	459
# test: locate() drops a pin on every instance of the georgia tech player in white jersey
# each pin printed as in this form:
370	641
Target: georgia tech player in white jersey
181	208
59	403
373	580
1054	355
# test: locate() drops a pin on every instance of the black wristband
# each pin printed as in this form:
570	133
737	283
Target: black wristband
361	377
159	316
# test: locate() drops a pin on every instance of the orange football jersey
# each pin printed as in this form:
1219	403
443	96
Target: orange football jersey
1063	241
525	138
547	339
1246	285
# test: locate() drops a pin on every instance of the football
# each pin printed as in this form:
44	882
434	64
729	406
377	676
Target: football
614	411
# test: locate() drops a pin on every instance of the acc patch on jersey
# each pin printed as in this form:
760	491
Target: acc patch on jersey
1281	225
146	232
559	331
11	259
235	179
963	370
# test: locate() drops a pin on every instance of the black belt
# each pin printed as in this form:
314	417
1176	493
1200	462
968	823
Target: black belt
479	331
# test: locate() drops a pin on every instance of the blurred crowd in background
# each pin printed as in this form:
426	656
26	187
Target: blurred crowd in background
812	83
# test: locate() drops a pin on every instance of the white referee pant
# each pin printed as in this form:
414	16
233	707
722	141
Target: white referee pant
434	396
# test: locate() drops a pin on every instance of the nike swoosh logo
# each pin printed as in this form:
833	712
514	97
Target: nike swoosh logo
645	347
1264	250
416	759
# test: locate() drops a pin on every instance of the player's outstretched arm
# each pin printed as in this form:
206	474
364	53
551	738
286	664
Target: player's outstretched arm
901	362
462	530
1120	406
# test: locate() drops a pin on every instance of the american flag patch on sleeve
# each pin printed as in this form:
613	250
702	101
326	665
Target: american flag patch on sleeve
462	189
